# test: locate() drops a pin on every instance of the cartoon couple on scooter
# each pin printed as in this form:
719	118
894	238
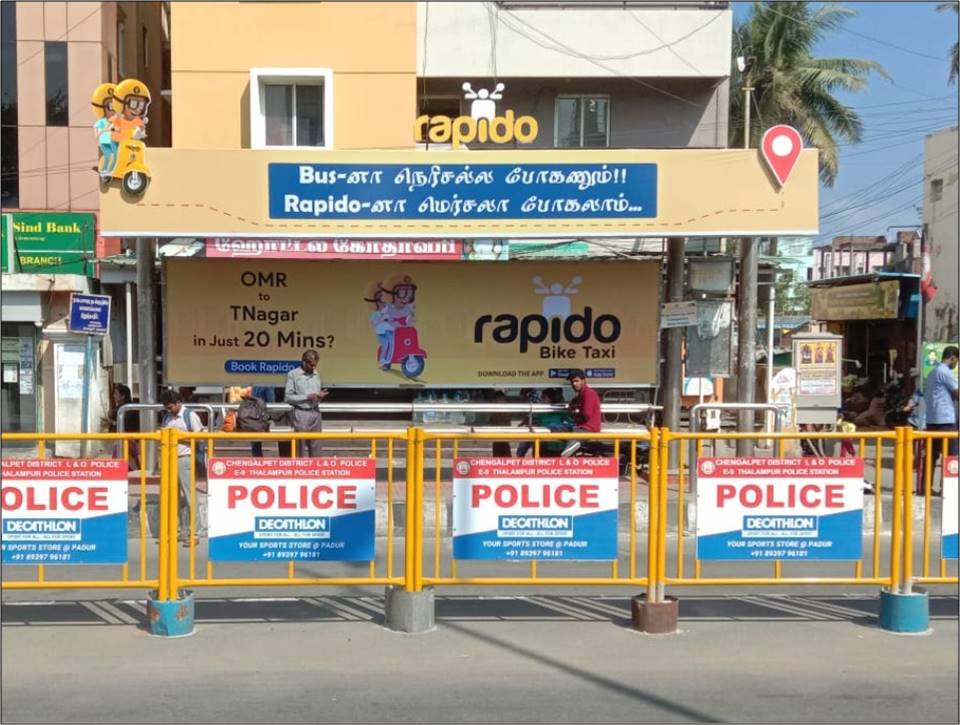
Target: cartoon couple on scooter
393	324
121	120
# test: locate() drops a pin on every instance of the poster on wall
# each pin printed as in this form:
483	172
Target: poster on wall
817	367
390	323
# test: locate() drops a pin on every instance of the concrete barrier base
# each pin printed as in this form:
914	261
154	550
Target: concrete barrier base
905	613
170	619
656	617
409	612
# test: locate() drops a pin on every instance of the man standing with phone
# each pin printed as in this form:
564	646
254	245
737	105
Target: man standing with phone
304	392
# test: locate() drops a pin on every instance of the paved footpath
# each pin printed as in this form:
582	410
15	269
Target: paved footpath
537	657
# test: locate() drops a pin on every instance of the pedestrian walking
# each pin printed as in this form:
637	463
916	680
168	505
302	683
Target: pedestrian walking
304	393
940	394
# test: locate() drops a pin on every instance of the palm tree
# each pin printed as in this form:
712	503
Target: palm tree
955	53
793	87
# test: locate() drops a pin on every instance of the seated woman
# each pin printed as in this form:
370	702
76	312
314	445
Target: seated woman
555	420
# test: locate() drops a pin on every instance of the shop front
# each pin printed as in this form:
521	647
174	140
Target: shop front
877	316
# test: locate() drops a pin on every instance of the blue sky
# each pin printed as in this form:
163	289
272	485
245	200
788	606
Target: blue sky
879	182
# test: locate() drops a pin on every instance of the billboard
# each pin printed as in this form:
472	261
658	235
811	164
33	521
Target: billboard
393	323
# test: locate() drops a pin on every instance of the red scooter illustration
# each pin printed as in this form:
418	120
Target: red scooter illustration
407	351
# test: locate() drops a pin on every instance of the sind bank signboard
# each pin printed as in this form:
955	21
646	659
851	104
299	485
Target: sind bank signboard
64	511
285	509
391	323
535	508
787	508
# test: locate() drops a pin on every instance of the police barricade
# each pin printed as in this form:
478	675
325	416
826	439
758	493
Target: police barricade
287	516
533	512
928	457
804	517
67	523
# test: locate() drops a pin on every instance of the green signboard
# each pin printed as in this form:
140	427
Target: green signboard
932	353
49	242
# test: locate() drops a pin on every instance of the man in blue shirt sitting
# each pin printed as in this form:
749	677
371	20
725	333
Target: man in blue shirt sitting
940	393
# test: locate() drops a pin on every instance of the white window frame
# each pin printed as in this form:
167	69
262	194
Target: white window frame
260	78
580	96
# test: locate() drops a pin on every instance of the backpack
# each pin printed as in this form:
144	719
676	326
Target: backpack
252	416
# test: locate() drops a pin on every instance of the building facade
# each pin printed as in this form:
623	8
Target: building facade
54	55
940	214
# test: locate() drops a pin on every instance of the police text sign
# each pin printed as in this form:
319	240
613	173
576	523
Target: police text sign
64	511
769	508
278	509
542	508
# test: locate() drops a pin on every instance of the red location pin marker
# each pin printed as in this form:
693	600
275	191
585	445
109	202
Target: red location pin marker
781	147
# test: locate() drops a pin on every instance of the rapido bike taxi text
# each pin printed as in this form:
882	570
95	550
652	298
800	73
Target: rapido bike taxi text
464	129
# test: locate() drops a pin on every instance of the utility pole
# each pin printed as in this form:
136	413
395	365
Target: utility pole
747	302
673	377
146	339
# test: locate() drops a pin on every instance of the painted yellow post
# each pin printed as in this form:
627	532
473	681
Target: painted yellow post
907	519
418	522
390	508
662	516
163	586
173	517
409	534
681	510
436	508
927	493
143	511
899	463
653	507
877	507
192	518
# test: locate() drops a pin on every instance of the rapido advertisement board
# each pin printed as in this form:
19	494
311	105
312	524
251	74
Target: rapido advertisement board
389	323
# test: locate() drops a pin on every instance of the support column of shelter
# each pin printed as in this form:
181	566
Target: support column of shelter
746	341
673	373
146	338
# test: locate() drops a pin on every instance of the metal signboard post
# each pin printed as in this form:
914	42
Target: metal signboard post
90	316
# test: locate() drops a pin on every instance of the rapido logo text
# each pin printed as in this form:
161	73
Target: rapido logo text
557	324
481	125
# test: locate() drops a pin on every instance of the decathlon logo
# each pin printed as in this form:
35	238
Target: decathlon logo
483	124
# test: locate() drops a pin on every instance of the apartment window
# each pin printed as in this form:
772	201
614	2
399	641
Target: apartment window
55	67
291	107
936	190
10	159
582	122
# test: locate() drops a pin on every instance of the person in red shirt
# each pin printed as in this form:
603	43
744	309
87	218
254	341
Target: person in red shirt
585	409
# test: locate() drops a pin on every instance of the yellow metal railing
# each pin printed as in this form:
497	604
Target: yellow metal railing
442	488
924	472
429	561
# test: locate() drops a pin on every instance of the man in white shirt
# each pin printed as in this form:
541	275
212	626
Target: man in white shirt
186	421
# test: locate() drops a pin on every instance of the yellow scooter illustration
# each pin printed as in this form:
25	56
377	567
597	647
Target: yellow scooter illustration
127	162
